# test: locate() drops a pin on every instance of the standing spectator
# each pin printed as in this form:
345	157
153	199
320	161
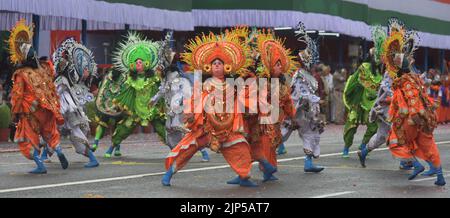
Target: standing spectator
434	79
327	78
444	98
339	79
320	90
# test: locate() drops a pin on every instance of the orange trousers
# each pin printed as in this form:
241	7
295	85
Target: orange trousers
254	138
238	157
42	122
418	144
269	150
257	151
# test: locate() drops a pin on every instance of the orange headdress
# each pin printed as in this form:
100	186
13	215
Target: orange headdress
272	50
202	51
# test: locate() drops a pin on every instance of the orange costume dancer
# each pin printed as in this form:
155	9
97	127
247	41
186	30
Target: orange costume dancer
411	112
276	62
215	120
35	103
253	129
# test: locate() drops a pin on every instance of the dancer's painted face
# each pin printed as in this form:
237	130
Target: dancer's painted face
277	70
85	74
139	66
218	69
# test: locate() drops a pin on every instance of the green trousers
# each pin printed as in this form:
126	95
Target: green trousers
102	125
355	118
160	128
126	127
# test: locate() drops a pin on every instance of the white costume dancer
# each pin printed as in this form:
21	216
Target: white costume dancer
304	87
74	64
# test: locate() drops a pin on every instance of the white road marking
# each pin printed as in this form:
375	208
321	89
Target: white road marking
334	194
78	183
161	173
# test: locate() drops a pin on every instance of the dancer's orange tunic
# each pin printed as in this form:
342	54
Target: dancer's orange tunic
36	103
265	139
413	121
224	137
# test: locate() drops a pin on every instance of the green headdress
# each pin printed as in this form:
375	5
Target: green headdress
379	35
136	47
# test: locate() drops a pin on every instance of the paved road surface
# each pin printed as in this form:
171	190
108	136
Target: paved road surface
138	174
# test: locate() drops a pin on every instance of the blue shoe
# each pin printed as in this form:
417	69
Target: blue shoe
40	169
345	153
433	170
92	160
109	152
168	176
95	145
418	168
117	152
271	178
309	166
405	165
268	169
362	146
440	177
247	183
281	149
205	156
62	158
235	181
362	154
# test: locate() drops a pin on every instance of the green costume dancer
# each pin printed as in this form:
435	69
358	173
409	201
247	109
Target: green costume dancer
138	58
110	87
360	94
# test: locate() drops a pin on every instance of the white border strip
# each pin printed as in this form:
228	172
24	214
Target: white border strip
100	11
280	18
334	194
425	8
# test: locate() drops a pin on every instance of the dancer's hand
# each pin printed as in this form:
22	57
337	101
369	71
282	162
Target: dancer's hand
372	115
417	120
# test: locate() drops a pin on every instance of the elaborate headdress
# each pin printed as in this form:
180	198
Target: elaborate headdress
272	50
378	36
400	41
134	48
310	55
166	53
75	58
20	41
202	51
241	32
250	38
